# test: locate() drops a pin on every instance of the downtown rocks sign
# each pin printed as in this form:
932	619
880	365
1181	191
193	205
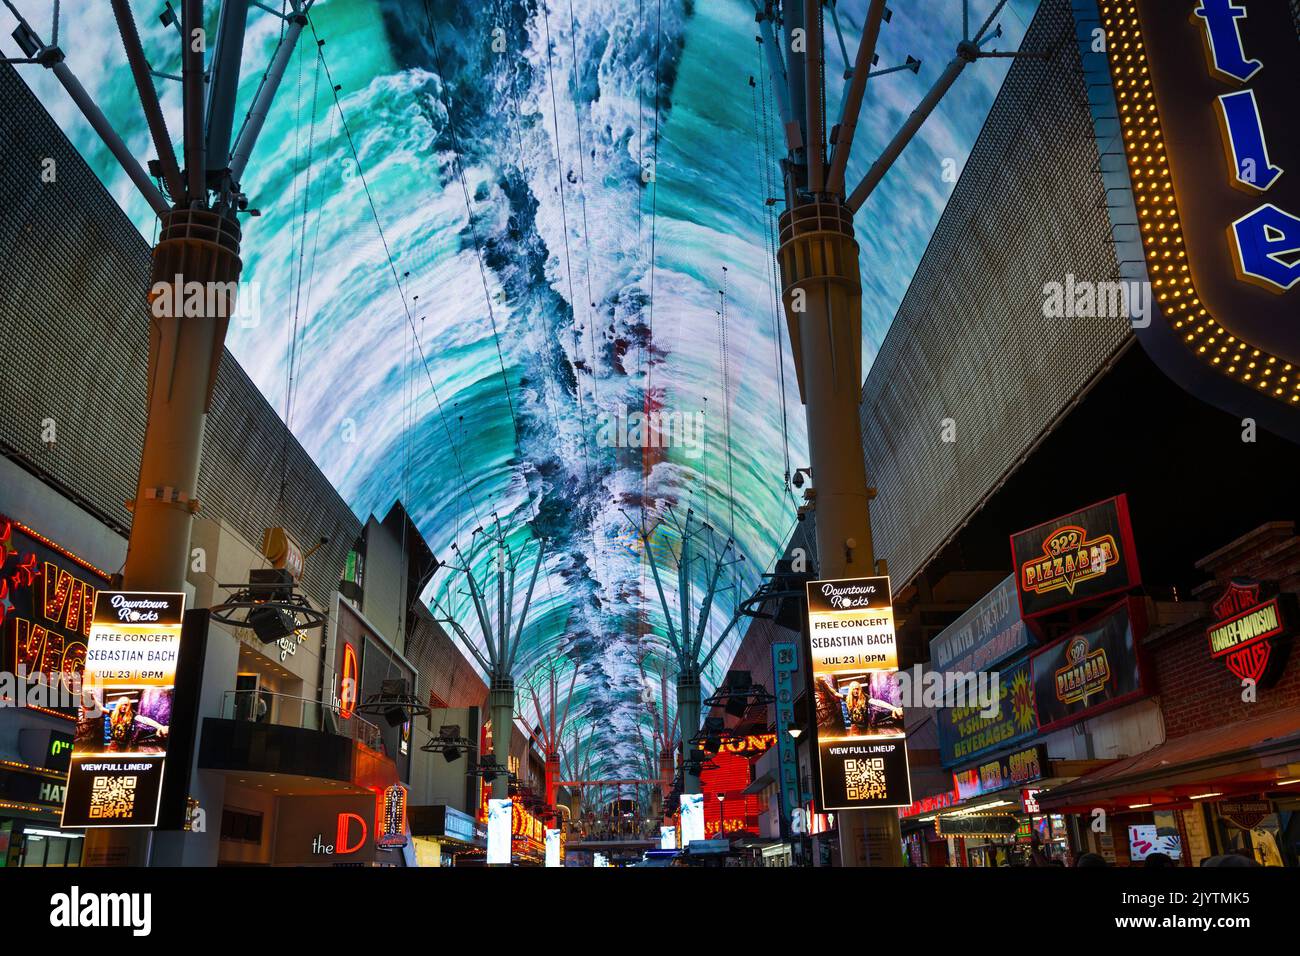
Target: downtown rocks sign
1204	104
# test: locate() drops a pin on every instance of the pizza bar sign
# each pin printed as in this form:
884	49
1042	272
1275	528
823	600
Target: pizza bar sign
1246	630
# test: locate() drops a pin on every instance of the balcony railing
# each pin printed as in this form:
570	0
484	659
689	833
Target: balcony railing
287	710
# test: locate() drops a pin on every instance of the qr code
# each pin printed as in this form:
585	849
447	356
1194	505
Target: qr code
112	798
865	779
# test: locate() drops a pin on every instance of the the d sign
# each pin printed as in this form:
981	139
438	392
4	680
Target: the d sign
343	842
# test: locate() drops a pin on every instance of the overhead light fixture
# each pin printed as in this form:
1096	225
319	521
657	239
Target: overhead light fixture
1287	783
1138	806
1203	796
794	731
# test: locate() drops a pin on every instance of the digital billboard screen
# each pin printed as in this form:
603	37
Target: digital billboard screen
120	746
853	667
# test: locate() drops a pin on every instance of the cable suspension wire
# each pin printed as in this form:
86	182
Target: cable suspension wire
469	213
582	192
764	123
564	223
392	268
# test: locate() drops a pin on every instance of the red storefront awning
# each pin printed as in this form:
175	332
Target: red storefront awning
1247	756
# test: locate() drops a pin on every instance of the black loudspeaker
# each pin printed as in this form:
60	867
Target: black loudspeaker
395	716
451	755
271	623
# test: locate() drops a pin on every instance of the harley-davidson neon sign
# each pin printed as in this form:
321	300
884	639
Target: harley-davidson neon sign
1245	629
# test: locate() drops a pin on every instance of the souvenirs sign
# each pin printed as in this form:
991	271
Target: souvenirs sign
966	732
1247	630
999	773
1094	667
1079	557
853	668
1205	100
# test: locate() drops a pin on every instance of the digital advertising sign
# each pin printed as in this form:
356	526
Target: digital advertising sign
692	817
120	746
500	831
853	669
553	847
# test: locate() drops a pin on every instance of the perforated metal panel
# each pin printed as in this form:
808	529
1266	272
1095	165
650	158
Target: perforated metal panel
73	349
970	341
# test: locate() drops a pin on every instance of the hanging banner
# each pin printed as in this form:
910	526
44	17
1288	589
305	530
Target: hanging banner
1204	95
692	817
1092	668
120	747
553	847
853	667
785	664
1083	556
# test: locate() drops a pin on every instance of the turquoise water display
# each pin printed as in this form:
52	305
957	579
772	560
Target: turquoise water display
520	220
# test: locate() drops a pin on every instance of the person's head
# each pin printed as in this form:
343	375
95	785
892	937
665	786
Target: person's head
1091	859
855	690
1230	859
1157	860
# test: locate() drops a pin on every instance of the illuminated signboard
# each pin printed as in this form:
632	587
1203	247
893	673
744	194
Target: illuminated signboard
692	817
1091	668
1078	557
999	773
500	820
1205	98
47	596
1248	630
977	825
120	747
927	805
667	838
853	667
965	732
390	818
990	631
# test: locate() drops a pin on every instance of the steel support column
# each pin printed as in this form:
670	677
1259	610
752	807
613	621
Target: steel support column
688	712
822	295
501	703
